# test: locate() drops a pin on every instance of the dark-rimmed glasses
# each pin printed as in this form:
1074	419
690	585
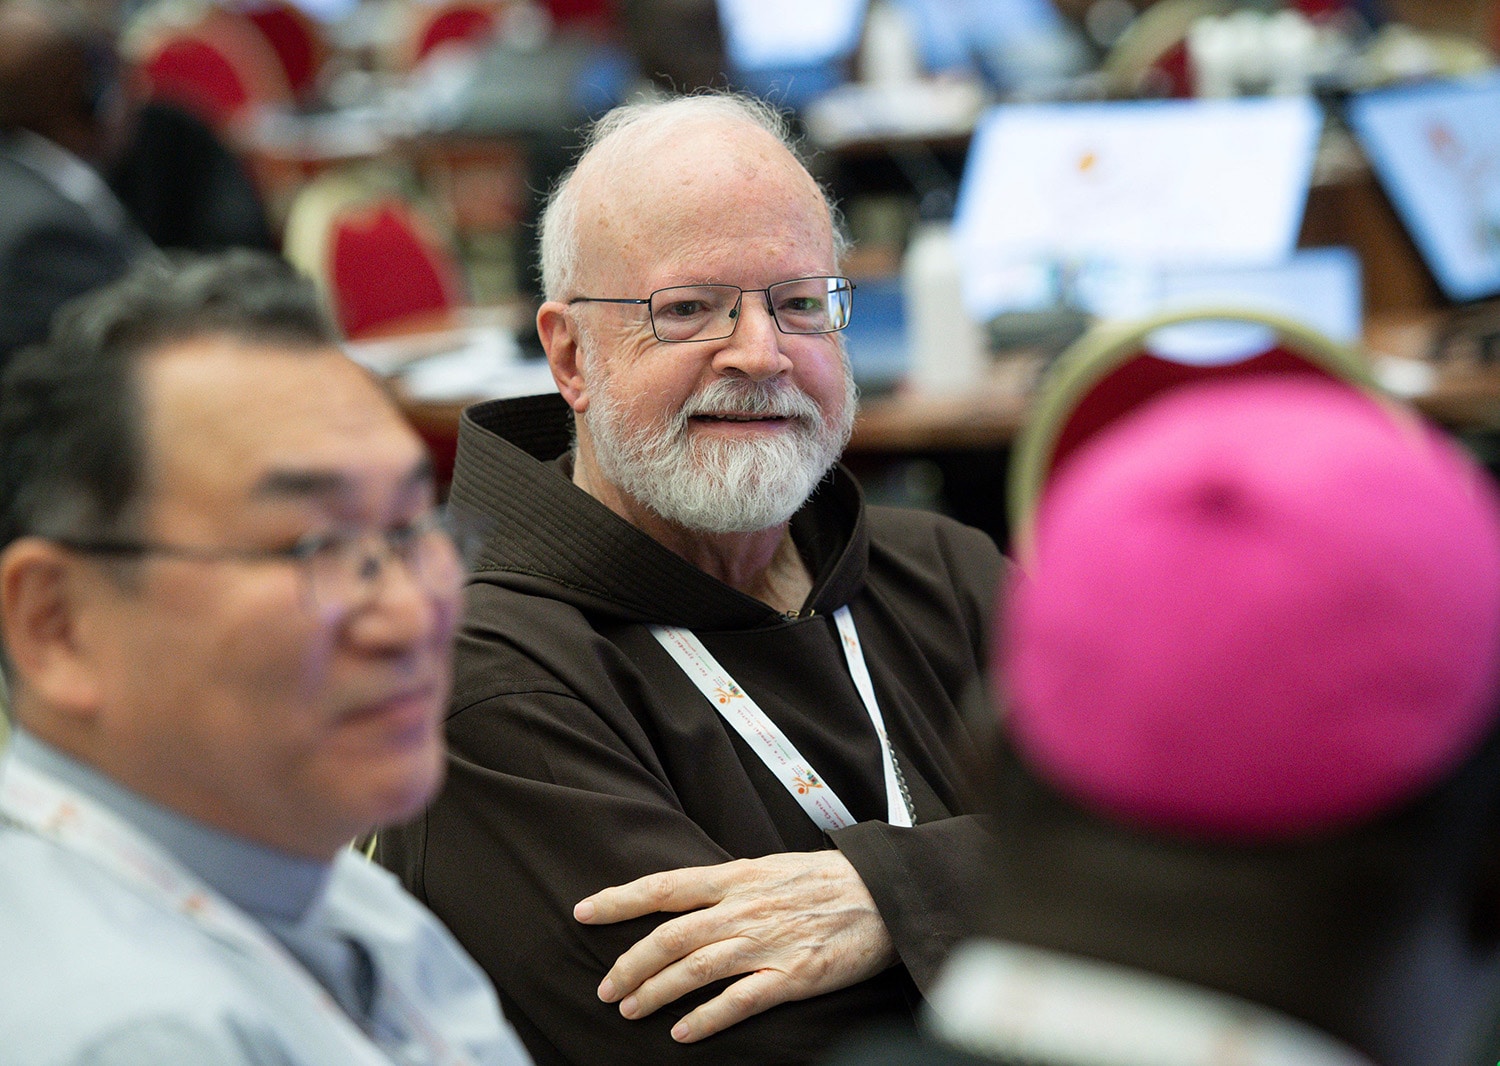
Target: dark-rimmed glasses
711	312
340	570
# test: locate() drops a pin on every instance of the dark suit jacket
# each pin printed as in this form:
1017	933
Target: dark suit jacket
51	250
185	188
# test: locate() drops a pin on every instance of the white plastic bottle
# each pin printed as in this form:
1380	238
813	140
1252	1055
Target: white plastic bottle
944	344
889	55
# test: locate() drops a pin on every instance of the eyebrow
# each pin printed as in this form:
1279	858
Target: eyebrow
325	484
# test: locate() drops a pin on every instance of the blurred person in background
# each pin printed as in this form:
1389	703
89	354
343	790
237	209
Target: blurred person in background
91	181
62	231
1248	806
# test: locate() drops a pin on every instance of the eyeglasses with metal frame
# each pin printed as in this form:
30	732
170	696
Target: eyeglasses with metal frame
800	306
340	569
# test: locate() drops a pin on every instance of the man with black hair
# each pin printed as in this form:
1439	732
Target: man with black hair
227	605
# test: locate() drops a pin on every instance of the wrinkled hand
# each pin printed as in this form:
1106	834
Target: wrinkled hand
797	924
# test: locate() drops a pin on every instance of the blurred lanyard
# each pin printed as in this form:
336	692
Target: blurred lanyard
40	804
767	740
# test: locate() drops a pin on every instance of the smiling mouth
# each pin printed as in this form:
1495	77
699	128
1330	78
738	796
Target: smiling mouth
410	712
740	418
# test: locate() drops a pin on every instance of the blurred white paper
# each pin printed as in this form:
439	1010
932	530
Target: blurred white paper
478	362
1159	182
461	376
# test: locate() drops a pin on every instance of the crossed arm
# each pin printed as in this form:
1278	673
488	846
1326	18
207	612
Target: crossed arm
790	926
560	786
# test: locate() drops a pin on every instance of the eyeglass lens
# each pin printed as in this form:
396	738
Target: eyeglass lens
346	570
710	312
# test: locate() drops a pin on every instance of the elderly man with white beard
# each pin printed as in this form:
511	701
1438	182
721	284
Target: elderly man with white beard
704	800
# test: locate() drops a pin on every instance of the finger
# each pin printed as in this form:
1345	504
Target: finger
658	949
708	964
668	890
745	998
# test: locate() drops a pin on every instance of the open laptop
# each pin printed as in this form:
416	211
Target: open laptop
790	51
1127	209
1435	149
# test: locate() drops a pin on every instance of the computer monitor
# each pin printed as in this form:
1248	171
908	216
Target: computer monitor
1436	151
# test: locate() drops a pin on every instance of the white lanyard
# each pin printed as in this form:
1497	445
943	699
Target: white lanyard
767	740
38	803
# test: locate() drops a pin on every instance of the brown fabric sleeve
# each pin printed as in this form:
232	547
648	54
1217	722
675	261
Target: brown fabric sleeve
924	880
545	804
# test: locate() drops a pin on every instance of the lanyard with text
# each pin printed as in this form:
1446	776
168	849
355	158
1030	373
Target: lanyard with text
41	804
767	740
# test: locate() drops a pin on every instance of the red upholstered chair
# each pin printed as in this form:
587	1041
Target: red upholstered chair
384	264
452	22
1111	370
1321	9
218	67
294	37
589	12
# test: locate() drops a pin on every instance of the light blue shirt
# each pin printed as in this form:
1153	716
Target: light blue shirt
95	971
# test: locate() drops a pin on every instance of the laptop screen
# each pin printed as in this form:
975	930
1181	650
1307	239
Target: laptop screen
790	50
960	35
1065	188
1436	150
327	10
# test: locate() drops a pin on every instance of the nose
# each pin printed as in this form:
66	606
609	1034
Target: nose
399	611
754	349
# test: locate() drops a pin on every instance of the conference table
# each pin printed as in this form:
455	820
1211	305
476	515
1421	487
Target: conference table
1461	393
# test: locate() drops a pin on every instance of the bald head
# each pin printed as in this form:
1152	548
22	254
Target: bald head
651	173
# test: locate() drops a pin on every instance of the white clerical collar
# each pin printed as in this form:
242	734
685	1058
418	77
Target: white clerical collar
263	882
1010	1001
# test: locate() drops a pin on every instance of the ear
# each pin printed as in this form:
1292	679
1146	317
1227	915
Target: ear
560	340
42	602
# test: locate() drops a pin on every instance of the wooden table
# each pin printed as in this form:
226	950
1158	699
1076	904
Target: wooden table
988	415
1464	395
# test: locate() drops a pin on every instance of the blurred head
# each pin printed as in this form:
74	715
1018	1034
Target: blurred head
723	435
1258	611
1250	678
58	78
219	581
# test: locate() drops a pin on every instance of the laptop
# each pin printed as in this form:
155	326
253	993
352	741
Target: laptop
1435	149
790	51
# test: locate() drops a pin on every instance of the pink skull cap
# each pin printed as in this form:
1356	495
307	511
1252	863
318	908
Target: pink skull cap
1257	610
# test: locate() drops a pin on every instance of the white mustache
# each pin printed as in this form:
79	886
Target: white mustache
729	396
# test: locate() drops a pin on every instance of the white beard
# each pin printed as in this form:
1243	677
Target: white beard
715	485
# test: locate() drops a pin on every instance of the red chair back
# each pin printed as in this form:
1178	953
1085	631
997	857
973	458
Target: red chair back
383	266
1142	376
219	69
458	22
296	40
1111	371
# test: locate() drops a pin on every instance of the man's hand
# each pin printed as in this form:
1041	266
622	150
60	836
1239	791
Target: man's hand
797	924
